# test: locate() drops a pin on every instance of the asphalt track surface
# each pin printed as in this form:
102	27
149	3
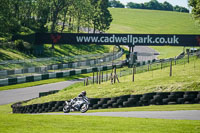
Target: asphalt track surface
145	49
22	94
177	115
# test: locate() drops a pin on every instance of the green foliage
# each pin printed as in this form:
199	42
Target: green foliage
53	15
8	21
195	4
19	44
23	46
155	5
101	15
116	4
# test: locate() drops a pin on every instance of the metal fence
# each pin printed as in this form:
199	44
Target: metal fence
140	67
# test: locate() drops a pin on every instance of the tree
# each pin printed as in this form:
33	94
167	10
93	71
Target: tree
116	4
105	18
167	6
181	9
101	18
82	12
134	5
56	7
8	20
155	5
43	15
22	16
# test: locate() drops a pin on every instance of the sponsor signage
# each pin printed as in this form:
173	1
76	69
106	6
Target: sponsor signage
113	39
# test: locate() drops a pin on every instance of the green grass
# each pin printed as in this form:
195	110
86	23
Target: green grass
185	78
26	123
151	22
137	21
168	51
64	50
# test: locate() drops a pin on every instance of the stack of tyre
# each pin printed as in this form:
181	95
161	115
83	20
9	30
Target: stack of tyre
55	106
155	98
41	94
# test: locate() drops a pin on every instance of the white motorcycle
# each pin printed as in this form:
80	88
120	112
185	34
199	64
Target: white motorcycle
77	104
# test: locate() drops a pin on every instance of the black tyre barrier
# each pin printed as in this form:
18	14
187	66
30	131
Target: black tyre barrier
159	98
41	94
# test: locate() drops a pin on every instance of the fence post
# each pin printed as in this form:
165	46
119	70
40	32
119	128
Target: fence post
170	69
97	78
133	74
102	76
93	78
114	75
150	67
87	82
175	60
106	76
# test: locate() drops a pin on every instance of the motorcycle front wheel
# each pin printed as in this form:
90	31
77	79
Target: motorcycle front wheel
66	109
84	108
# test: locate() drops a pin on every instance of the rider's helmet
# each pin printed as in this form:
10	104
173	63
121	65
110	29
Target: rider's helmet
83	93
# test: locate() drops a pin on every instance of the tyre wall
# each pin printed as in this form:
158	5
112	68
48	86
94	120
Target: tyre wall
41	94
155	98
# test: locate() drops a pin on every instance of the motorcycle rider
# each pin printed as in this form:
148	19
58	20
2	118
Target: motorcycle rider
81	95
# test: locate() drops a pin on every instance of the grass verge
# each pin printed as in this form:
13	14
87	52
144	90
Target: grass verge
91	124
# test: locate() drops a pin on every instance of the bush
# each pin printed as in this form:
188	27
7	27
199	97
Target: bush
19	44
23	46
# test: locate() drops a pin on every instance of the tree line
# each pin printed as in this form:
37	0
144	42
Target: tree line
53	16
152	5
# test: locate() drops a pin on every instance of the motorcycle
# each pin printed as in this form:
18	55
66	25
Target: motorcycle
77	104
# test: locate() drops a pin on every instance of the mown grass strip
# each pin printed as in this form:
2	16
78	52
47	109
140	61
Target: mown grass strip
90	124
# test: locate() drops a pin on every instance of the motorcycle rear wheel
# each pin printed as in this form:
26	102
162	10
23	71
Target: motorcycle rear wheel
84	108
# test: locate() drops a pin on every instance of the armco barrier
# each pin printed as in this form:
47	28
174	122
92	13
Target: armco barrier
11	81
43	69
155	98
